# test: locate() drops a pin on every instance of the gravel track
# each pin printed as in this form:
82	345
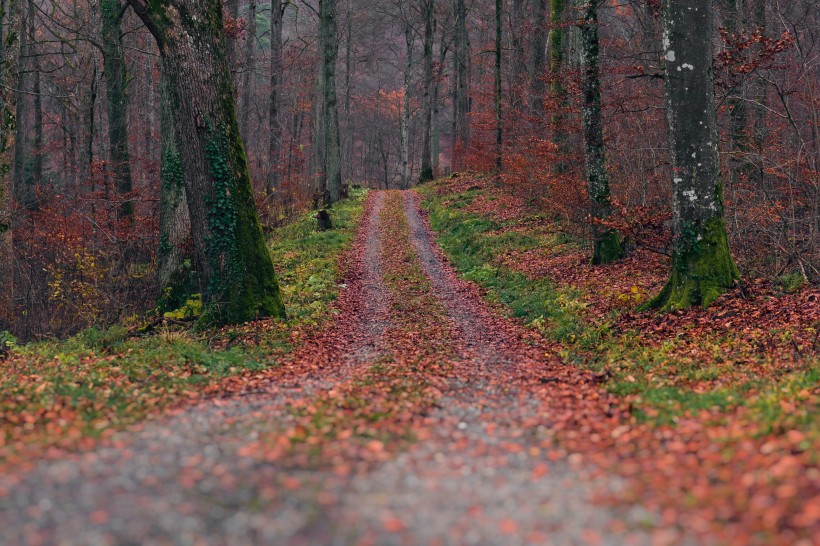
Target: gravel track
482	476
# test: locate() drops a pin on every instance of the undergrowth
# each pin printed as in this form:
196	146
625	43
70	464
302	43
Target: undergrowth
64	392
666	380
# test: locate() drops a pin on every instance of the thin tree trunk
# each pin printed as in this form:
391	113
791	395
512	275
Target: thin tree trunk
539	56
232	7
248	75
702	265
606	241
275	146
556	40
518	56
499	126
174	259
231	254
436	138
116	81
328	149
427	9
8	78
461	87
405	110
24	179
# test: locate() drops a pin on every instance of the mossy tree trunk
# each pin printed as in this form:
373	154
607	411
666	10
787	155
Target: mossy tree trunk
230	251
538	59
606	241
427	10
275	145
116	81
9	36
702	265
175	256
328	147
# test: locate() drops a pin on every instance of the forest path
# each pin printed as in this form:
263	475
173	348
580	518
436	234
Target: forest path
326	457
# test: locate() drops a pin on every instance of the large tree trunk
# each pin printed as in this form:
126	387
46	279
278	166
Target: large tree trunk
275	147
116	80
461	87
248	74
229	248
8	78
606	242
175	257
328	149
405	109
702	266
427	153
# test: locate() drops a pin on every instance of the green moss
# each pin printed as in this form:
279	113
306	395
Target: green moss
607	248
702	269
243	283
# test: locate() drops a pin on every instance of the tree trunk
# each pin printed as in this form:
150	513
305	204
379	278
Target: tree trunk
499	126
229	248
520	81
461	87
606	241
538	62
736	101
328	149
25	182
275	147
248	75
232	6
427	10
405	110
436	138
116	81
702	265
175	260
556	40
8	78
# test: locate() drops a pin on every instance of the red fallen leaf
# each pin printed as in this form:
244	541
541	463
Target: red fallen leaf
508	526
393	525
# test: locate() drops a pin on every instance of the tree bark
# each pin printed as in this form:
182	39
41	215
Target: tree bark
275	146
328	148
606	242
8	78
538	62
231	254
520	80
702	265
248	74
427	8
556	41
499	125
405	109
116	81
175	259
25	180
461	87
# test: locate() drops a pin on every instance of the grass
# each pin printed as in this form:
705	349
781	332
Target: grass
62	392
665	380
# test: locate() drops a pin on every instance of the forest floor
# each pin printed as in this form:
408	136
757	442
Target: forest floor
415	410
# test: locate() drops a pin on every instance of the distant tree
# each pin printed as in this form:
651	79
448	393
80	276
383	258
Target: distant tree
275	145
461	85
116	82
499	124
428	15
702	265
327	145
606	242
229	247
409	40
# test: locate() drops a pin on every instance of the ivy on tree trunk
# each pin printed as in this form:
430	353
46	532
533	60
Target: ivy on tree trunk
229	247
